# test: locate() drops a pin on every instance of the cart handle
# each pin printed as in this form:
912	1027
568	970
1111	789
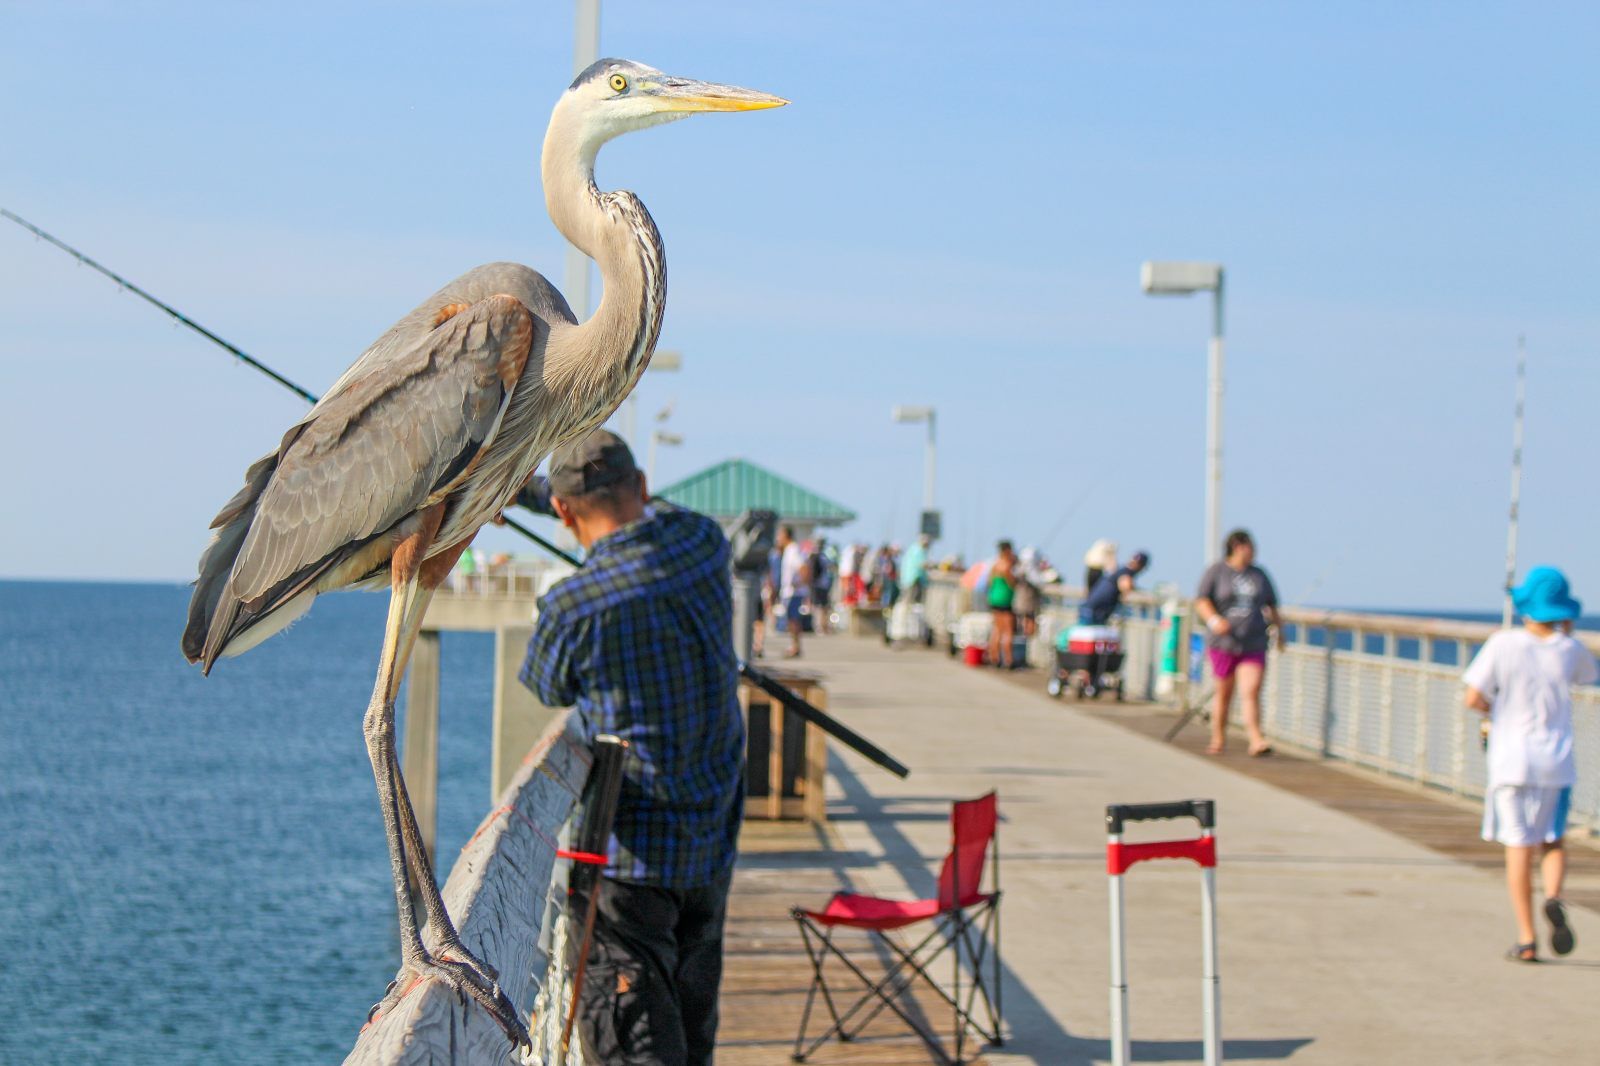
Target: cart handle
1202	811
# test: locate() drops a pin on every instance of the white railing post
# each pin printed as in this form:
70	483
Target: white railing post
1329	640
1386	705
1424	709
1458	735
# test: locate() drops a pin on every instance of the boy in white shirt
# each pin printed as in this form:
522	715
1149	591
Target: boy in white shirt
1523	678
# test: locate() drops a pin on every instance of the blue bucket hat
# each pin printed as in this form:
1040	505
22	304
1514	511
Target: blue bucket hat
1544	597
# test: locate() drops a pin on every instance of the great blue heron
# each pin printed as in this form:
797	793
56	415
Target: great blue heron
432	431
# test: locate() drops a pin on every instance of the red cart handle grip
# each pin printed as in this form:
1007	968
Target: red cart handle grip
1119	856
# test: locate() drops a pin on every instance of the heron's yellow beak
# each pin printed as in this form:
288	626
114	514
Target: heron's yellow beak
682	94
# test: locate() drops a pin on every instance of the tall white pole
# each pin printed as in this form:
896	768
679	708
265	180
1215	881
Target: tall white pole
928	466
585	50
1516	481
1214	376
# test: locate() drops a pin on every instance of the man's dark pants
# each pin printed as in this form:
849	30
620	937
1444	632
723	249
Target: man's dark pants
650	995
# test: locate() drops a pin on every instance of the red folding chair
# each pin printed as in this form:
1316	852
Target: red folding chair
961	918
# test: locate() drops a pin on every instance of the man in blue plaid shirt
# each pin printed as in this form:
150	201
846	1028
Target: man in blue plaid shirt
640	640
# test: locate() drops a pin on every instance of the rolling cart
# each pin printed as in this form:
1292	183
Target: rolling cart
1202	850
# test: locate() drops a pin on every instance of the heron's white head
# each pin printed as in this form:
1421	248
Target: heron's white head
617	96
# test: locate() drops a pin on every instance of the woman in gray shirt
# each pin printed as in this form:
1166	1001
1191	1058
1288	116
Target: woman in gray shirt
1238	605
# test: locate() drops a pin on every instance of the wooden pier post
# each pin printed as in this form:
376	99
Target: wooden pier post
519	718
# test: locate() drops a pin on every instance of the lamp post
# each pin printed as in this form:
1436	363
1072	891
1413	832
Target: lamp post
665	361
585	51
902	413
1182	279
658	436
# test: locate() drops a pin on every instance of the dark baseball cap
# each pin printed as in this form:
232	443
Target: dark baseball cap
589	463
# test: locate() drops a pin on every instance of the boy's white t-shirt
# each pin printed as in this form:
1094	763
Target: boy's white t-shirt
1528	682
789	571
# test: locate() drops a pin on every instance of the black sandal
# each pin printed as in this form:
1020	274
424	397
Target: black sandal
1528	952
1562	940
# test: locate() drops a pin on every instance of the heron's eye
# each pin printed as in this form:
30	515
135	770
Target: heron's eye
619	83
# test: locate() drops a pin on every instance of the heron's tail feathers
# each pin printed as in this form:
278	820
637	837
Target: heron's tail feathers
221	623
216	564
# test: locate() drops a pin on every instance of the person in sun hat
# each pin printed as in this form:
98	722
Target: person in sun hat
1522	679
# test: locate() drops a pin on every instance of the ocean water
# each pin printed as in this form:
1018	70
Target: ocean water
193	870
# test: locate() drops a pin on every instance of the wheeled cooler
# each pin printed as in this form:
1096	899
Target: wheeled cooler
1088	660
1202	850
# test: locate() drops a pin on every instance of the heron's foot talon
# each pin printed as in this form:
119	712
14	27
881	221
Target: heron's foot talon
444	943
467	981
450	950
391	996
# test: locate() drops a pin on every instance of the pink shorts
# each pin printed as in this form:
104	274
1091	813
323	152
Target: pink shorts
1224	663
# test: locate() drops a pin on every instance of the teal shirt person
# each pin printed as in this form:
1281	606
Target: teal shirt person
914	565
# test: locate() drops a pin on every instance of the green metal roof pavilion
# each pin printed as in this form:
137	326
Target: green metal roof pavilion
737	485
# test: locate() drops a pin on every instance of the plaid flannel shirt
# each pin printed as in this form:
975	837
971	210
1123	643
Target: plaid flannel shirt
640	639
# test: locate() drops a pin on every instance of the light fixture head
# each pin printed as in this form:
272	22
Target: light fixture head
1179	278
904	413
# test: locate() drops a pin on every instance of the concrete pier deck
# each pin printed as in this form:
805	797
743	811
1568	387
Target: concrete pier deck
1341	940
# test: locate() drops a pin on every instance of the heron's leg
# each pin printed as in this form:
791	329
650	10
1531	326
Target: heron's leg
439	930
464	974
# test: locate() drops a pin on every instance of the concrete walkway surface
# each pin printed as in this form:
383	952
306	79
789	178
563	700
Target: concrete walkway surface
1341	942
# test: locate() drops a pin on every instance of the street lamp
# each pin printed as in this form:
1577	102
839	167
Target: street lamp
665	361
902	413
658	436
1182	279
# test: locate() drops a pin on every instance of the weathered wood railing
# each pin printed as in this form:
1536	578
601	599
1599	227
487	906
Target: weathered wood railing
501	895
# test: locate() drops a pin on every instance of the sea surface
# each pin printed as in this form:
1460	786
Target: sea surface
193	870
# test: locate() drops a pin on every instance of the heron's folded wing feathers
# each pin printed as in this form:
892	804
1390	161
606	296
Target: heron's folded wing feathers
386	443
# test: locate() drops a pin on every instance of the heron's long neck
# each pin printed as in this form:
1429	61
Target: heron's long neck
606	354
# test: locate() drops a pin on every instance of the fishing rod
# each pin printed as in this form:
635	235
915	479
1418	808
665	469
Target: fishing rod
233	349
821	719
168	309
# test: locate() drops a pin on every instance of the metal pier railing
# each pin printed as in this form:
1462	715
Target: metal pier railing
1374	690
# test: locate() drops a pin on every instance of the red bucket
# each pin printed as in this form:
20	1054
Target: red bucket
972	655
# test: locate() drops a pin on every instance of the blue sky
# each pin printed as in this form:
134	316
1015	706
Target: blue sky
953	211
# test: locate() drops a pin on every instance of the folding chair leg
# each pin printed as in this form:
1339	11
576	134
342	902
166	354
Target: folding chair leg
996	1014
902	975
874	991
811	993
817	955
977	937
899	978
960	1022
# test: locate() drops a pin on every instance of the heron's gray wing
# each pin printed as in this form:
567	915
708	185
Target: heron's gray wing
383	446
536	293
